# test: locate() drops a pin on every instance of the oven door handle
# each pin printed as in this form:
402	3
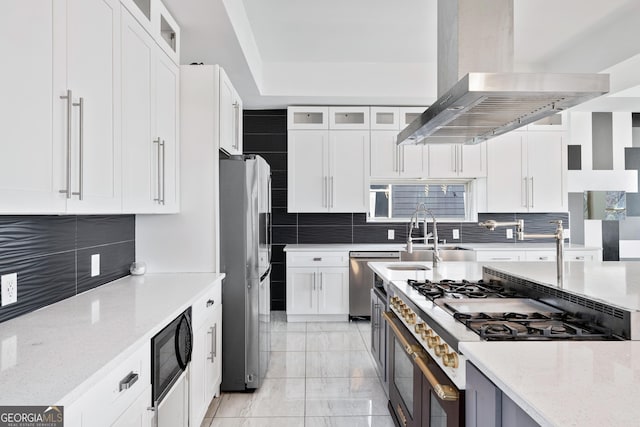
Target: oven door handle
444	392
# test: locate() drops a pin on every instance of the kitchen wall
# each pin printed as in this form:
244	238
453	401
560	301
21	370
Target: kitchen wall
605	144
52	255
265	133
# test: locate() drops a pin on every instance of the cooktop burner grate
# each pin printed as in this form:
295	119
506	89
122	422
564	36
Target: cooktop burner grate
459	289
533	326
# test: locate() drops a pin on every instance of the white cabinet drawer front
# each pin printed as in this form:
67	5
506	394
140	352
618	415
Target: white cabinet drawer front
540	255
118	389
499	256
582	255
318	259
206	305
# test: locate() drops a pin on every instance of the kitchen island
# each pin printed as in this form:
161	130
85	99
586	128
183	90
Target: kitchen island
556	383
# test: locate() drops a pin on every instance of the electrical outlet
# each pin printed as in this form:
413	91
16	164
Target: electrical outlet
391	234
456	234
95	265
9	288
509	233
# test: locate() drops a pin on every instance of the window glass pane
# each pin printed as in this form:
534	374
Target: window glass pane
398	201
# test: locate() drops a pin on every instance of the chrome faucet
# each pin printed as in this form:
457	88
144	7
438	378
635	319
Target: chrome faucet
520	235
413	223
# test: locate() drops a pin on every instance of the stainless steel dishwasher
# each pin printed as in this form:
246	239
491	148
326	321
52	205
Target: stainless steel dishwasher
361	280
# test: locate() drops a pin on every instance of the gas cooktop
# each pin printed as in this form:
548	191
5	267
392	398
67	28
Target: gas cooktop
497	313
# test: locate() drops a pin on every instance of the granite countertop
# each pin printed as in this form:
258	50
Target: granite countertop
565	383
49	355
400	246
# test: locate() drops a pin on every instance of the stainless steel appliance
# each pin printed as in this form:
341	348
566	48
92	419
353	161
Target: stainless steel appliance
170	356
430	319
245	257
361	280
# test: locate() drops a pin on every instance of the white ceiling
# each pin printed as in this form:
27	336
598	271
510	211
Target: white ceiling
383	52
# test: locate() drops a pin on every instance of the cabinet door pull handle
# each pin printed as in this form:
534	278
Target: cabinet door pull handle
68	97
525	193
158	177
320	281
128	381
80	192
461	159
314	281
317	259
532	194
164	175
332	194
210	302
325	189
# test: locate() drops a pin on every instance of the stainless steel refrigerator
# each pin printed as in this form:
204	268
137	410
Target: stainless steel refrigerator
245	257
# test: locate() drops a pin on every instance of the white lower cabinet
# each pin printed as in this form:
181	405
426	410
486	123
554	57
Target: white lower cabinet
206	357
138	414
117	398
173	411
538	255
499	256
317	286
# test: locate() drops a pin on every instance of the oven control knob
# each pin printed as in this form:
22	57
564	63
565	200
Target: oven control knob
450	359
433	341
426	334
420	327
441	350
411	318
406	311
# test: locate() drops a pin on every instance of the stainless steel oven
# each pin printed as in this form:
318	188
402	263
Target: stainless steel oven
420	393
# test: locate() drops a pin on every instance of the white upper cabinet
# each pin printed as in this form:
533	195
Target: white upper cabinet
87	39
230	116
457	161
86	84
165	30
527	172
312	118
31	158
328	171
388	160
348	171
353	118
150	83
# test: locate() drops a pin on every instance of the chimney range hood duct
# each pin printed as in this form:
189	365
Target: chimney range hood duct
485	104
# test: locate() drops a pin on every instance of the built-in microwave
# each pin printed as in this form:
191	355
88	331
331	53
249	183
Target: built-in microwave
170	354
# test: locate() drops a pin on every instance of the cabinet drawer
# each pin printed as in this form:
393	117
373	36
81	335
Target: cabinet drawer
317	259
308	118
118	389
499	256
582	256
206	305
540	255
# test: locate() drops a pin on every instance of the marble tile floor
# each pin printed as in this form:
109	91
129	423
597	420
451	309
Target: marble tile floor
320	375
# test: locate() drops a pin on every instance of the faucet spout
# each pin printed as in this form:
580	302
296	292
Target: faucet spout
413	223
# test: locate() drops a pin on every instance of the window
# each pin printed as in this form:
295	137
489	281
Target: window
447	200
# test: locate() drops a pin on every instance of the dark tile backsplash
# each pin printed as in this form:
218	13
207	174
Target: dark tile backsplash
52	255
265	133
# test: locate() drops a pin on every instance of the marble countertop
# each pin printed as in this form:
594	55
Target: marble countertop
51	355
565	383
402	246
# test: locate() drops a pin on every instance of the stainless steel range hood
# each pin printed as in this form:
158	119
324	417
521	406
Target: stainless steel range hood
478	95
483	105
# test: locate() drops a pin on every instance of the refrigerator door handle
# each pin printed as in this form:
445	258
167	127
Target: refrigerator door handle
265	274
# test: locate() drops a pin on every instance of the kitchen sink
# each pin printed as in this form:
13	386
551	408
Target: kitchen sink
408	268
447	253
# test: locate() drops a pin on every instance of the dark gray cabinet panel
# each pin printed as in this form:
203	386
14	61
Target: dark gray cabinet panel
486	405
